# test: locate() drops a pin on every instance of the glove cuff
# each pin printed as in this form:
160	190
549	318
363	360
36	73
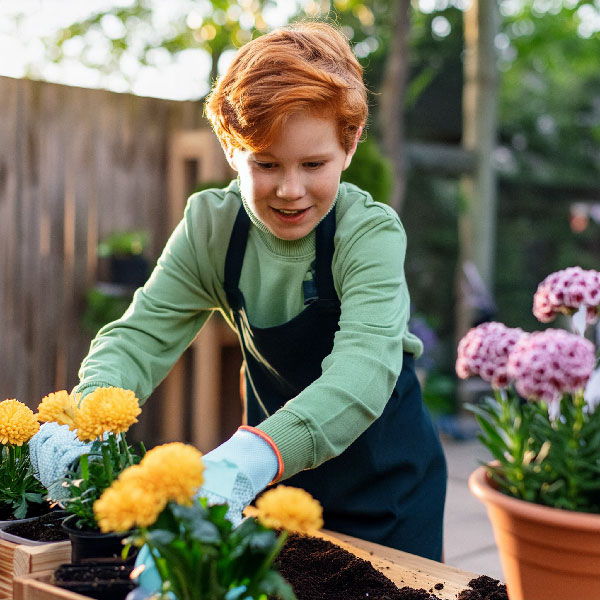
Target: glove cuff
267	438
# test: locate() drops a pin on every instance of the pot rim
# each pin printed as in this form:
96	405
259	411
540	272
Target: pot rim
8	522
17	539
68	526
482	487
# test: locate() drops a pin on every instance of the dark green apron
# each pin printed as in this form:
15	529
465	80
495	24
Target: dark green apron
389	485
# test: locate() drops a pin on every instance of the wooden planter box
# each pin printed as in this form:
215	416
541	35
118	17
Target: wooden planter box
37	586
402	568
17	560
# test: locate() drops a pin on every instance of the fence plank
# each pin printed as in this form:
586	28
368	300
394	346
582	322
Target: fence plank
75	165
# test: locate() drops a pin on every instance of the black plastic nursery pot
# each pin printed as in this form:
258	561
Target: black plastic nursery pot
129	270
88	544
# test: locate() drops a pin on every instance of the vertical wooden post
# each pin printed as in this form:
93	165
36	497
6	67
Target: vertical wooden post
477	216
391	109
200	150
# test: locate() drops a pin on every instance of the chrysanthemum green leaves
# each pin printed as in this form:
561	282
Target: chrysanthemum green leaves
18	486
200	553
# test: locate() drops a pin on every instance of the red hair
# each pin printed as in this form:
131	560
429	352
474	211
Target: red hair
306	67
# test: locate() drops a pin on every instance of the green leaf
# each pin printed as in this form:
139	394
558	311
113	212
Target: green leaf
275	586
262	541
205	532
34	497
21	511
160	537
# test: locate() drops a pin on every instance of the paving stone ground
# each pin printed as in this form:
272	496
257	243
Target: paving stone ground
468	537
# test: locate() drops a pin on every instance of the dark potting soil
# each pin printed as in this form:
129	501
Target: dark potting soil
484	588
93	571
103	580
46	528
320	570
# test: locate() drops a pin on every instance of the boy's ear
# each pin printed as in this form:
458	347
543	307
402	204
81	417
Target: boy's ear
229	155
352	150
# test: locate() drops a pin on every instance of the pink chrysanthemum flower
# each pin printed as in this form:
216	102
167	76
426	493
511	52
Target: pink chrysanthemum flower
484	351
547	364
565	291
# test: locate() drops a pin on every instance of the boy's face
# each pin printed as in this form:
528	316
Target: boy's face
291	185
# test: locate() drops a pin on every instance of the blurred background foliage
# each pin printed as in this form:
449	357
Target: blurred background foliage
548	153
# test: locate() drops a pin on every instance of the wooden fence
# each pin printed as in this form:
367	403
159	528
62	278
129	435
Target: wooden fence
75	165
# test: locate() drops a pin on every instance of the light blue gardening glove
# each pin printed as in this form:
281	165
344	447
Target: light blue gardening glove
149	582
237	470
234	473
52	450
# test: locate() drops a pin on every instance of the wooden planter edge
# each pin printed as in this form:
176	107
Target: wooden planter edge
18	560
37	586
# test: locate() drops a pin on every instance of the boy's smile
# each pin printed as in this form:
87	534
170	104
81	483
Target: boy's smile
291	185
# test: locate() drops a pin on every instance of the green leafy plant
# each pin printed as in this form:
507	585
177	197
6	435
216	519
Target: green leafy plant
103	308
18	486
101	418
93	473
542	427
554	463
19	489
199	554
371	171
195	549
124	243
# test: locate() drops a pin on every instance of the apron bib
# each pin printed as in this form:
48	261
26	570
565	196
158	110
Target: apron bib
389	485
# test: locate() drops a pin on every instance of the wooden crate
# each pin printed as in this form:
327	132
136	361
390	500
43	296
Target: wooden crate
402	568
17	560
37	586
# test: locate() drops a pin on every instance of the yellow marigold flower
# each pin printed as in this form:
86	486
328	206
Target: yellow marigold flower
106	410
177	468
289	508
17	423
59	407
126	505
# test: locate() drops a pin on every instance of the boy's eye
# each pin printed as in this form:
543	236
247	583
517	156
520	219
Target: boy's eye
313	164
265	165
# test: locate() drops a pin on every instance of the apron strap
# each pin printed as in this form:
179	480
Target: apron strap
235	259
324	257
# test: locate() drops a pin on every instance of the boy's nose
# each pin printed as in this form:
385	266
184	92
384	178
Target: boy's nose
290	187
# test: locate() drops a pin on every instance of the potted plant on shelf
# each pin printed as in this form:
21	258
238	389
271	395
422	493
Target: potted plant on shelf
101	418
122	268
542	427
21	494
197	552
124	251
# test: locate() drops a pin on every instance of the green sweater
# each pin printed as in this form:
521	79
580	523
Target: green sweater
137	351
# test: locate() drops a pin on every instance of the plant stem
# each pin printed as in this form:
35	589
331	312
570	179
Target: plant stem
11	458
107	463
266	564
85	468
129	461
574	441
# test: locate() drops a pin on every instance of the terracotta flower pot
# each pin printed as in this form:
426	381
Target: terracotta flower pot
546	553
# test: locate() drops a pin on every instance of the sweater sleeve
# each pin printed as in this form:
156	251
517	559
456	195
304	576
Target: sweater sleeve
360	373
137	351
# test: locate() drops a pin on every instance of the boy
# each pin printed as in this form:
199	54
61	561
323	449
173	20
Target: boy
309	272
